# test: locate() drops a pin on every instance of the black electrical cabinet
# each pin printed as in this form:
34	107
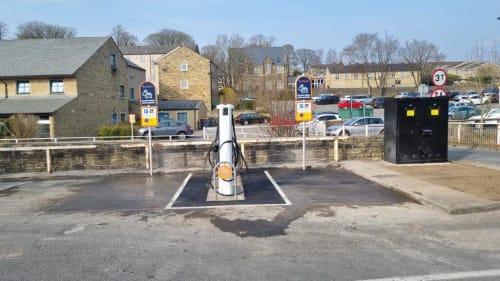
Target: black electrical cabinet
416	130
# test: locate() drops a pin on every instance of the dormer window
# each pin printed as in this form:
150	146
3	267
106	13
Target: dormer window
268	68
57	86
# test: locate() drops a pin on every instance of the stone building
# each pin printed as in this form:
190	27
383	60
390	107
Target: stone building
73	85
186	75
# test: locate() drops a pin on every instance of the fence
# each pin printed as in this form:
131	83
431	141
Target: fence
481	134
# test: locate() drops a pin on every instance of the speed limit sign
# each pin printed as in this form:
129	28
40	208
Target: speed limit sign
439	93
439	77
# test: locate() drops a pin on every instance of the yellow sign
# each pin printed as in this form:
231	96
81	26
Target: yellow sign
149	116
410	113
303	111
434	112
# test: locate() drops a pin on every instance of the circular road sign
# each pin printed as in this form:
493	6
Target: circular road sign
439	77
439	93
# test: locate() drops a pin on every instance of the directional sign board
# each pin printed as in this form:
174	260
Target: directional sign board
439	93
149	116
148	93
303	88
303	111
439	77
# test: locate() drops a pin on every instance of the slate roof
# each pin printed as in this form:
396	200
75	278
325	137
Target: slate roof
33	105
258	55
46	57
147	50
180	105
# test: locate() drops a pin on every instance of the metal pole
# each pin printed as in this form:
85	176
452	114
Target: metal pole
132	130
150	153
303	147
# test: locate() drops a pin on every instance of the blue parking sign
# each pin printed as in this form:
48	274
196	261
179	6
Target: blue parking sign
148	93
303	88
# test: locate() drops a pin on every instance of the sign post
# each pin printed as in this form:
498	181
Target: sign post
131	119
303	106
439	79
149	114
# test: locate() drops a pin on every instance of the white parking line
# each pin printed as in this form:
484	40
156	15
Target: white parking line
278	188
179	191
443	276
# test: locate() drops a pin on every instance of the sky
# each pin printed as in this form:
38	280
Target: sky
456	27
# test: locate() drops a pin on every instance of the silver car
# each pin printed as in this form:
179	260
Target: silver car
168	127
359	126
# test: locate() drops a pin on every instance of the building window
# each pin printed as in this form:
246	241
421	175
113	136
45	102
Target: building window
403	74
356	76
131	93
56	86
182	116
141	58
23	87
337	76
114	118
393	74
112	61
268	68
184	67
163	115
184	85
122	91
123	117
347	76
280	85
280	69
257	69
268	85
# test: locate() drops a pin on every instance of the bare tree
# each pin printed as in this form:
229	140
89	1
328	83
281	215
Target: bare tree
23	125
331	57
39	30
170	37
385	51
362	51
291	56
306	57
260	40
122	37
419	55
320	53
3	31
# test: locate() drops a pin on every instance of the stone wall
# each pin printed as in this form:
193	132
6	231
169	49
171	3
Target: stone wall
183	155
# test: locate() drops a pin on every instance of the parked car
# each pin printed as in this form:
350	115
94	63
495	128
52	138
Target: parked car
326	99
251	118
452	94
475	98
408	95
316	114
492	93
491	116
462	112
358	126
362	98
378	102
167	127
349	104
314	123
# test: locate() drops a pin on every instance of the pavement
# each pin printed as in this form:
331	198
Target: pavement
442	197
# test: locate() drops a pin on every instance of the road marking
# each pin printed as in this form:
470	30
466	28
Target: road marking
443	276
179	191
278	188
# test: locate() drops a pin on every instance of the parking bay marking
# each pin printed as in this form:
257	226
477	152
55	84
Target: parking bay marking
443	276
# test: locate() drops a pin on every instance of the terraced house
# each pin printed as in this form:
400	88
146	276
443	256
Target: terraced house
73	85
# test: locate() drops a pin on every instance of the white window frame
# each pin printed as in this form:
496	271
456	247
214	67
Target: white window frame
337	76
280	69
23	87
57	86
356	76
184	67
268	68
183	113
184	84
257	69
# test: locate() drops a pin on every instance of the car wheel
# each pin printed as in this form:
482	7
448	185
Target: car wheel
344	133
181	135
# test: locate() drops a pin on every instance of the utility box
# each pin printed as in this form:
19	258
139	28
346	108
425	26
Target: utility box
416	130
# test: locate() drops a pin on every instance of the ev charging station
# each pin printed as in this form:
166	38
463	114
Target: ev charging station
226	178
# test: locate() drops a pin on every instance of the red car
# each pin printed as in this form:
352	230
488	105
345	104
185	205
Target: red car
347	104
